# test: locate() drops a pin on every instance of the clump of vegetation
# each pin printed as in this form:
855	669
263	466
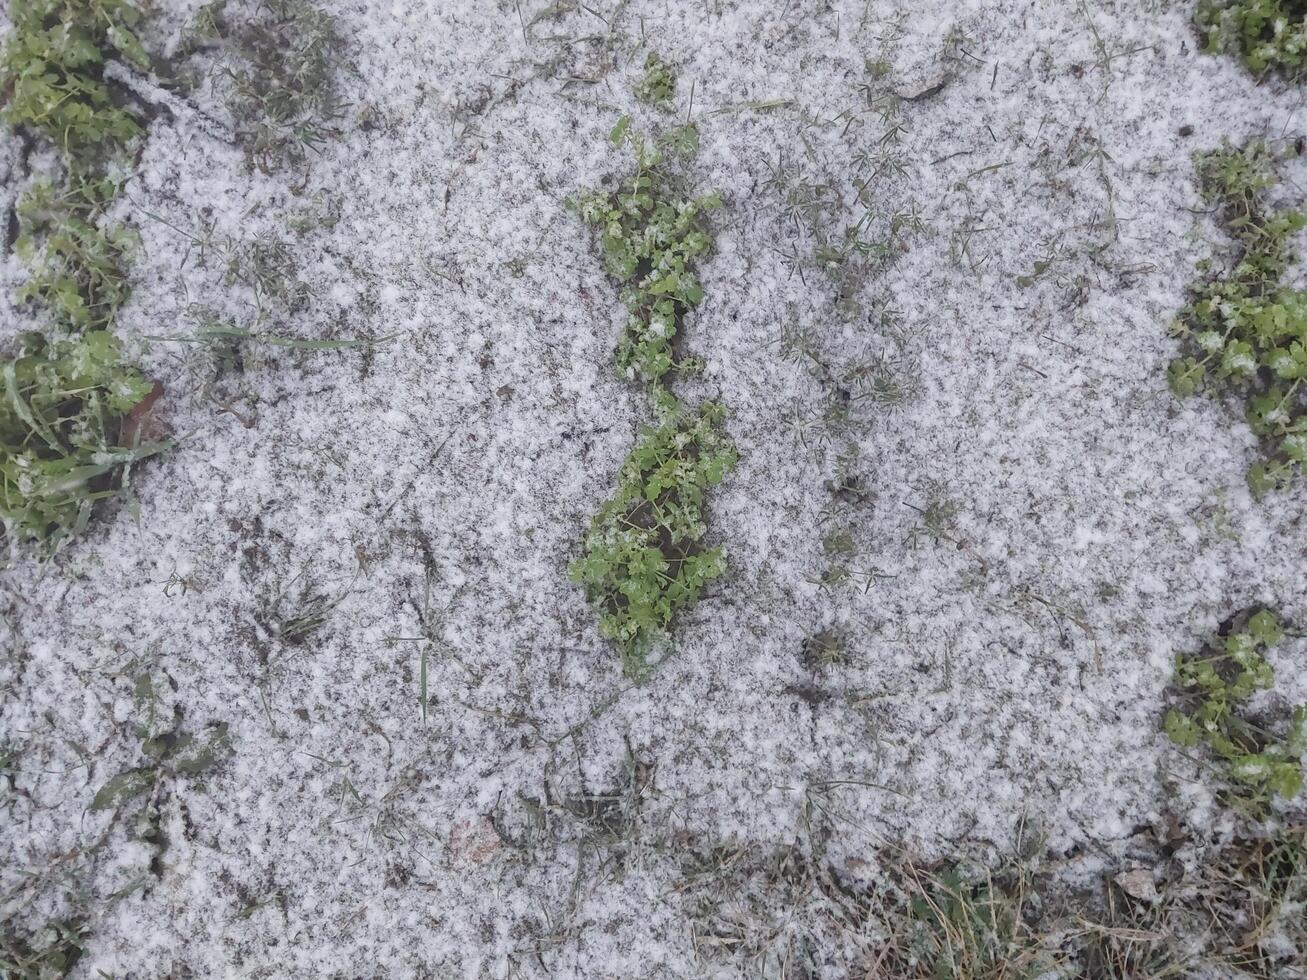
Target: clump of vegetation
775	912
74	258
279	77
658	86
70	421
644	558
1211	690
51	951
937	518
1247	330
266	265
1267	35
792	912
831	201
70	426
1247	900
51	71
825	648
853	393
294	618
651	236
51	81
1235	911
168	754
961	925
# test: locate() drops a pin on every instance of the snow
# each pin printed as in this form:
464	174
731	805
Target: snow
1015	681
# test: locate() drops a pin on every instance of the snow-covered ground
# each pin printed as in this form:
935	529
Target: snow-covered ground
1002	678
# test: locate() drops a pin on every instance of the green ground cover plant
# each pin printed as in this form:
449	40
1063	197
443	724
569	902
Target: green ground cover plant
52	85
1211	691
68	435
643	559
74	258
1245	330
71	419
1267	35
658	86
651	235
51	71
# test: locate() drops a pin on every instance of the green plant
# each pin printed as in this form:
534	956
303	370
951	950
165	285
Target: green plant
1247	330
1268	35
281	79
74	258
266	265
1210	690
643	559
651	237
1250	896
658	86
51	81
51	951
70	423
51	73
294	618
168	754
938	518
775	912
1236	912
963	927
72	413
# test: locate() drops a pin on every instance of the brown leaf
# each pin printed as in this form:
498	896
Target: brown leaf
141	424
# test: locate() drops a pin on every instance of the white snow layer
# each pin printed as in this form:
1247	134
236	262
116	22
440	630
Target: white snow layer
1011	676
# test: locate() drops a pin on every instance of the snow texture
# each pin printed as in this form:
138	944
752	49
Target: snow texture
1005	679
